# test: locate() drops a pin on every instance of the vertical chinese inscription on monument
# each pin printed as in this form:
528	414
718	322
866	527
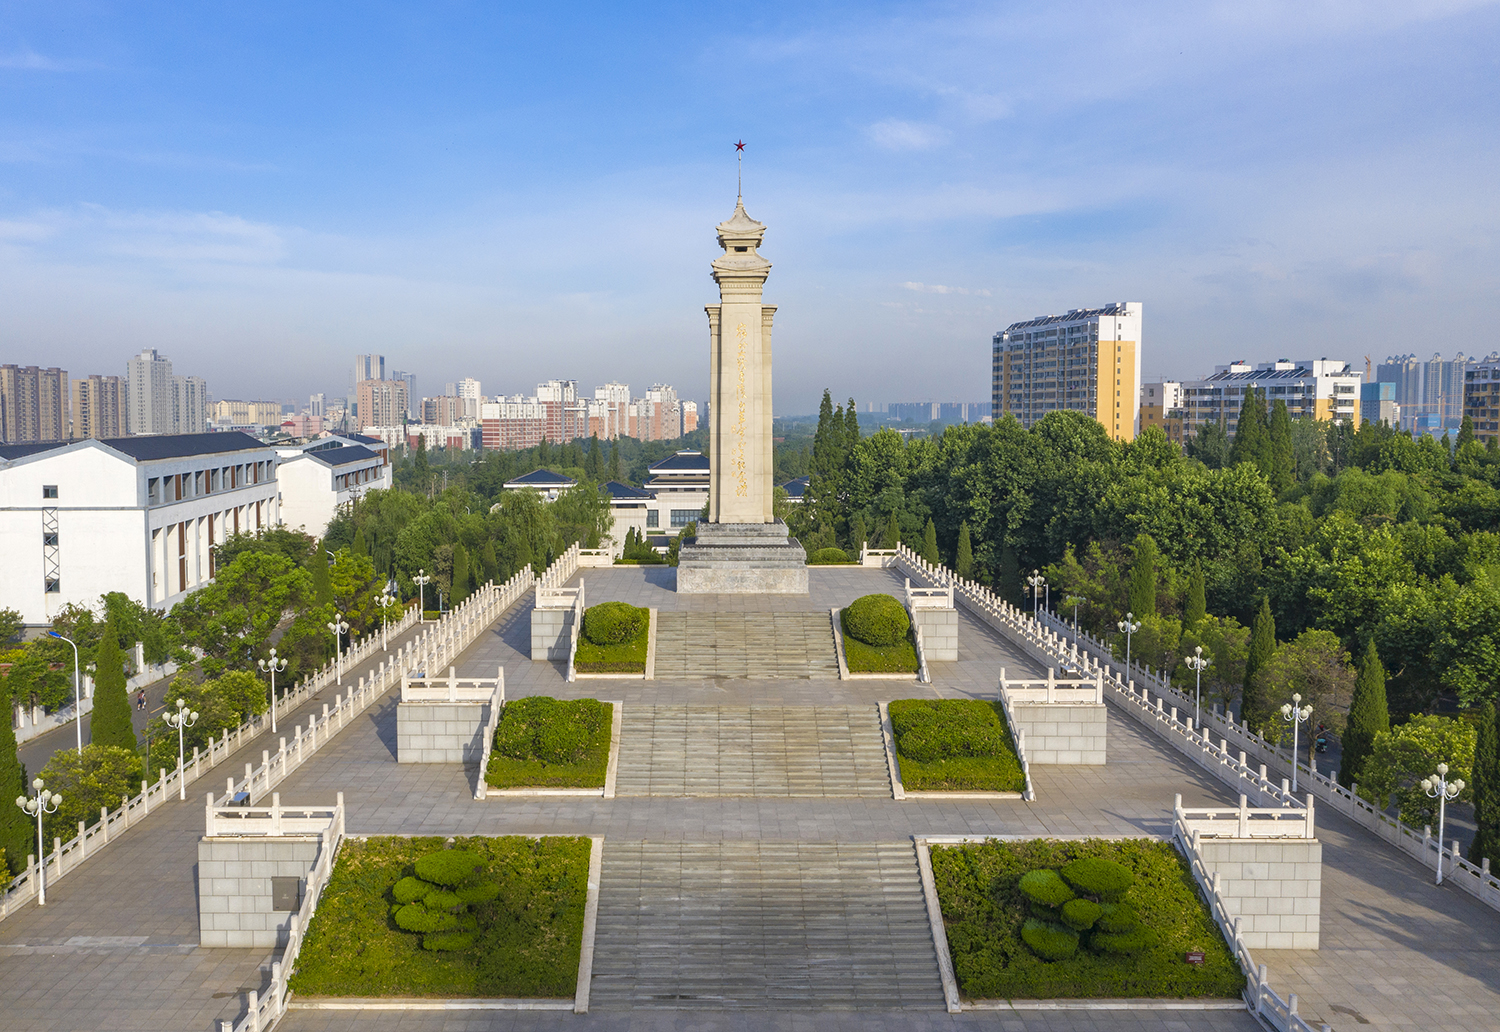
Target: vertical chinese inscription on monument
741	474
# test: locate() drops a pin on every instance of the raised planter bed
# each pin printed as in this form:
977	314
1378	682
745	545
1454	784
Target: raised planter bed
623	659
548	745
953	748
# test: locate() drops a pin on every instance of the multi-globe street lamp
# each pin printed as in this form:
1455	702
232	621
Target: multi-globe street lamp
1440	788
181	720
338	627
273	666
1128	626
77	690
421	580
1198	662
1037	582
37	806
385	601
1295	714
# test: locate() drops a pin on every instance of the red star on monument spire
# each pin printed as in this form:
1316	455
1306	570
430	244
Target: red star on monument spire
740	146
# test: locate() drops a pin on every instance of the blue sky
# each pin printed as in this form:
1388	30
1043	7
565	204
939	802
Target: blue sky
517	192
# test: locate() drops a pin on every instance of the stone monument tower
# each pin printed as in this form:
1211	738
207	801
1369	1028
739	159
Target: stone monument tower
743	548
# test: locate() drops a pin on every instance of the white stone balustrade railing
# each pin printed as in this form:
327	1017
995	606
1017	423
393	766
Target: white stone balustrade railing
264	1010
1053	690
590	558
487	746
451	688
439	642
1018	740
877	557
1245	821
274	820
574	632
930	598
560	572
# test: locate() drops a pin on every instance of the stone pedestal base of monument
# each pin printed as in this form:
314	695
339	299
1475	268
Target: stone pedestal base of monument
742	559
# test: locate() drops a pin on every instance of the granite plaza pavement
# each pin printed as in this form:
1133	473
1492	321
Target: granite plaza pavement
116	945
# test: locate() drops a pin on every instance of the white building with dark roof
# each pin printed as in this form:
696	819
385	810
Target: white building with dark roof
321	476
549	484
138	515
679	491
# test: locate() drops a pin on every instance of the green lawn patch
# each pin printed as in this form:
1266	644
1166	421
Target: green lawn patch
862	658
526	943
543	742
985	911
955	745
626	657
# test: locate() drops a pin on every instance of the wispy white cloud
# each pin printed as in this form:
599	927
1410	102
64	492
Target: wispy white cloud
896	134
938	288
30	61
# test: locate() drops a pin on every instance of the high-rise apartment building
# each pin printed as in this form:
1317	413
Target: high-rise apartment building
1431	388
98	407
380	402
410	379
609	412
1377	403
1088	360
1161	406
689	416
449	410
231	412
511	423
33	404
660	414
1312	389
148	394
1482	397
468	388
190	405
567	414
366	367
316	405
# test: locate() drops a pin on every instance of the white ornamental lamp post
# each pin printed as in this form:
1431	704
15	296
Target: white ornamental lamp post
421	580
385	601
1075	601
182	719
1037	582
338	627
77	690
1128	626
1198	662
273	666
42	803
1295	714
1441	789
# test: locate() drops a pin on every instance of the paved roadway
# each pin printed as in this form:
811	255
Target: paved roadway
115	947
36	752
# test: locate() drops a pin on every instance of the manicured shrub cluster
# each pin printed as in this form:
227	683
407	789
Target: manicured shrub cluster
827	556
876	620
954	745
611	623
525	899
539	727
435	903
1059	940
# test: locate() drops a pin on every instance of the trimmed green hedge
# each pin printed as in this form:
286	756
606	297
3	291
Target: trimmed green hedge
828	557
627	656
954	745
863	658
525	940
543	742
612	623
877	620
995	956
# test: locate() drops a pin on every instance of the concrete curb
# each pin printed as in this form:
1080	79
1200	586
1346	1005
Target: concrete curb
845	675
891	766
421	1003
493	793
939	796
651	647
616	719
590	925
939	930
1105	1005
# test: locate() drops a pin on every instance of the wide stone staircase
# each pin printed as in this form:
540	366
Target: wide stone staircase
745	646
756	925
681	750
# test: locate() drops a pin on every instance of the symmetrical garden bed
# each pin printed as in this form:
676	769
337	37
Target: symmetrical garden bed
542	742
411	917
877	636
1107	935
614	639
954	745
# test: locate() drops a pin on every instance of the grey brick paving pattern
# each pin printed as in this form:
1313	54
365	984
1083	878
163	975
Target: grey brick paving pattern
763	924
1396	951
752	750
745	646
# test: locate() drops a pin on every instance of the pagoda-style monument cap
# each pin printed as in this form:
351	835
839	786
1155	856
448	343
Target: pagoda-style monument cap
739	237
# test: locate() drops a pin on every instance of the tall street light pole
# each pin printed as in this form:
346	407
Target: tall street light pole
1198	661
1037	582
1296	714
1441	789
338	627
77	691
1128	626
37	806
420	580
274	666
181	720
385	601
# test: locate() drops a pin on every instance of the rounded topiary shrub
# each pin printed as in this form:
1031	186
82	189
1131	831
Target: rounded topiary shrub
824	556
876	620
563	742
449	867
1118	918
1049	941
409	890
1045	887
1095	876
612	623
1080	914
539	727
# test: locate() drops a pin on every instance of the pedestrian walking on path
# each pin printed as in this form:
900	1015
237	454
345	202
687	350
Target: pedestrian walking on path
140	699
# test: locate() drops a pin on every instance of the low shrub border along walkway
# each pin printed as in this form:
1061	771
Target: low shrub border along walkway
952	748
542	743
528	938
984	912
615	639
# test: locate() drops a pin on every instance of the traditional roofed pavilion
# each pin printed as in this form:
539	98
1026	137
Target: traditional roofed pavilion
550	484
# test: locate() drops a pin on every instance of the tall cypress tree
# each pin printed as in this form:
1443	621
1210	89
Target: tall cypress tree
614	461
963	563
460	573
1368	716
16	830
851	429
1008	575
1251	439
321	578
360	547
1143	577
1196	606
1283	473
929	543
892	532
859	534
1253	708
110	722
593	466
1486	842
1466	432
